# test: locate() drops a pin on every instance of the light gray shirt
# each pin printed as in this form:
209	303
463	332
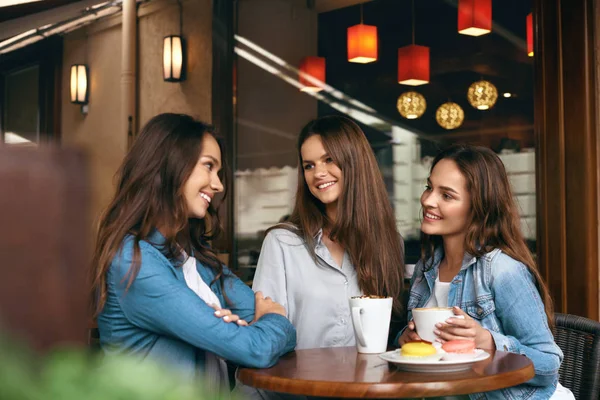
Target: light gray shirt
315	294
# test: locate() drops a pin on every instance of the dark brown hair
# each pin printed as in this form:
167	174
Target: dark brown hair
365	225
494	219
149	195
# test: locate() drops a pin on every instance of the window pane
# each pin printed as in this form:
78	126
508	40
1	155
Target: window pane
21	106
275	37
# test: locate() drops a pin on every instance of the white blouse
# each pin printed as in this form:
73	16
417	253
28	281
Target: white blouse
215	368
314	293
439	298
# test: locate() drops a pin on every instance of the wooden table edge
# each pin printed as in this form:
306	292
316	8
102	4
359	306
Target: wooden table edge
376	390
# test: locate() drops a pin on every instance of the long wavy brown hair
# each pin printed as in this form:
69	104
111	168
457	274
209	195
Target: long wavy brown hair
494	218
365	225
149	195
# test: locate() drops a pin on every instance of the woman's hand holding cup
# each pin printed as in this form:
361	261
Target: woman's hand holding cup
409	334
462	326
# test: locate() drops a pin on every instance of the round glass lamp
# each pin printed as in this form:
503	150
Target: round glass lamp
482	95
411	105
449	115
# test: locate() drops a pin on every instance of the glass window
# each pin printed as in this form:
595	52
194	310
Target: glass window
21	117
476	89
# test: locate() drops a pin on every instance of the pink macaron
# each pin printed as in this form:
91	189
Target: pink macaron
459	349
459	346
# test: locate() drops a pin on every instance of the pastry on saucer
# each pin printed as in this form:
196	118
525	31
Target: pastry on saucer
459	349
420	350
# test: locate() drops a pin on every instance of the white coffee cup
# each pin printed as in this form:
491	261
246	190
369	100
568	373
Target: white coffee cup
371	320
426	318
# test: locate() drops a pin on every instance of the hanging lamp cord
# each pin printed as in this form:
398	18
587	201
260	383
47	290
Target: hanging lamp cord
413	21
361	13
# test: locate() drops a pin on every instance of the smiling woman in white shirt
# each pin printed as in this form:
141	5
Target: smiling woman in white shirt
340	241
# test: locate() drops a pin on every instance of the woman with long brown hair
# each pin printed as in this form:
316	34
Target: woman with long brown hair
340	241
474	258
156	281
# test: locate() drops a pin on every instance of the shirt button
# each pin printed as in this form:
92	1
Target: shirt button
346	283
343	321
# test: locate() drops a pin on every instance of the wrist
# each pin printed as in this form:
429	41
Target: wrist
487	341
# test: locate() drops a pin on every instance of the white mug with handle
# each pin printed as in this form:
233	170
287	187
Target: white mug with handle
371	320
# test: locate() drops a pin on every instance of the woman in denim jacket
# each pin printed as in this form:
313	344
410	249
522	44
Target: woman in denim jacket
474	259
156	281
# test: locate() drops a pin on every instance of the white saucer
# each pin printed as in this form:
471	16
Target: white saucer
420	365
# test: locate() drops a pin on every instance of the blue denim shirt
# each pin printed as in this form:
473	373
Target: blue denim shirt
160	317
499	293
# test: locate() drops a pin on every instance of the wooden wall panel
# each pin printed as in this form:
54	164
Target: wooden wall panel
223	110
565	124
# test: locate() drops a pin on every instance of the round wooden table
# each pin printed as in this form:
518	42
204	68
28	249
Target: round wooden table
342	372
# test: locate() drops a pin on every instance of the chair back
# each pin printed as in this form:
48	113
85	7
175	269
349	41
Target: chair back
579	339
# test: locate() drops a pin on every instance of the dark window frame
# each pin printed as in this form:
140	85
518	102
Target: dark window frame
47	55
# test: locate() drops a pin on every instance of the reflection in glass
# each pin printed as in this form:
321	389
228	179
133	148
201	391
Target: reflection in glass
21	118
272	40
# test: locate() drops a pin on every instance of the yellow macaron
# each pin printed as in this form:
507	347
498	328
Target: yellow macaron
418	349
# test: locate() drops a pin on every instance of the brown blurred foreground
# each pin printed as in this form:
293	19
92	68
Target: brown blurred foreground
43	245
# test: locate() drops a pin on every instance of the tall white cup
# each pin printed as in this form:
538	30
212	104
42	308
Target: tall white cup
371	320
426	318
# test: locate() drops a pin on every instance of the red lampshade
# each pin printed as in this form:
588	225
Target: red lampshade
312	74
474	17
530	35
413	65
362	43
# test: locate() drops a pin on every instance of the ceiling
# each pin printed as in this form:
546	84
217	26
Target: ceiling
22	10
330	5
33	22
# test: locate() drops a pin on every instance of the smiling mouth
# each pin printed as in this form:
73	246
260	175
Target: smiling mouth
325	186
205	197
431	217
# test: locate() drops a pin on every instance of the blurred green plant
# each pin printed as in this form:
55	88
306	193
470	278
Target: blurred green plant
78	374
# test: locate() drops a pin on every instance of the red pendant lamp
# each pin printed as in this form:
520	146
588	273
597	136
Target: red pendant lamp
530	35
312	74
413	61
474	17
362	42
413	65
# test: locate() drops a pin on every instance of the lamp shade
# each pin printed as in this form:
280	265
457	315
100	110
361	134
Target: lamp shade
482	95
474	17
450	115
312	74
362	43
411	105
173	59
413	65
530	35
79	84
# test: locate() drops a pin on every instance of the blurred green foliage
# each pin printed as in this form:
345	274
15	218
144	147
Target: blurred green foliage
79	374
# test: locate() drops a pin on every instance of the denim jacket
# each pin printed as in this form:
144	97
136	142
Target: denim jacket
499	293
160	317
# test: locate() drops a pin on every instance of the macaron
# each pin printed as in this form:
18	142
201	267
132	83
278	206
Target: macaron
420	350
459	349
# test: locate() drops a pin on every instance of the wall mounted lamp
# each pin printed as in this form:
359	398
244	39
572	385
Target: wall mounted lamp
79	84
173	58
